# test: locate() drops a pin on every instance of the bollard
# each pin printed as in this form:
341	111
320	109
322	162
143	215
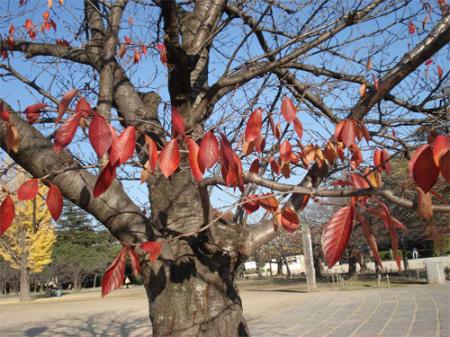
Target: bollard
388	282
379	280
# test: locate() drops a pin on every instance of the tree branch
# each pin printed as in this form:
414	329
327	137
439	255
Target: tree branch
113	208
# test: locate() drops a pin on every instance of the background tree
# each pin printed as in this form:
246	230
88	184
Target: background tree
27	245
347	66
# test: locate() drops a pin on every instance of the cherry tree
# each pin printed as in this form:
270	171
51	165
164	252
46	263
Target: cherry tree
272	104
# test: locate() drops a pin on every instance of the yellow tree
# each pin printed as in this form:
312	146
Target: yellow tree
27	245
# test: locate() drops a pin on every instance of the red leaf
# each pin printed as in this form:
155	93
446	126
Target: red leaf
83	106
359	182
54	201
28	190
288	110
152	151
66	132
260	143
444	166
440	147
100	134
122	148
345	132
136	57
135	261
152	248
104	180
254	125
356	158
392	232
231	165
208	151
251	203
429	62
268	201
65	101
289	220
275	167
178	127
336	234
33	112
169	158
285	151
298	127
163	53
440	72
7	214
254	167
422	169
197	171
115	274
4	113
411	28
370	239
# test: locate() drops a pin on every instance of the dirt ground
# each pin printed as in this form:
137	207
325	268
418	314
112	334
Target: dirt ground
122	313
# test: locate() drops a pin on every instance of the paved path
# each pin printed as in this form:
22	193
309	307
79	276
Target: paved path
419	311
414	311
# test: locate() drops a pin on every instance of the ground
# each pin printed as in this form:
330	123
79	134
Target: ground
271	310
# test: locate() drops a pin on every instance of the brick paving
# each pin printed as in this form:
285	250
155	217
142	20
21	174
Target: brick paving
417	311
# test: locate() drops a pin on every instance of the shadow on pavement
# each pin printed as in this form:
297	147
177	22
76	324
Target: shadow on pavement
99	325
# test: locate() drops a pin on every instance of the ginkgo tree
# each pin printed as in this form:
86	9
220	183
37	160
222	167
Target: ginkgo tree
278	104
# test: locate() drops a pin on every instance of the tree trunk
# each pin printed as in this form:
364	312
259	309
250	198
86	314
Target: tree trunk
288	270
195	294
279	266
191	287
309	259
24	294
352	261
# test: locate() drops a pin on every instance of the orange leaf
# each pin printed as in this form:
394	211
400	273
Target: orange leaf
285	151
362	90
152	248
169	158
268	201
298	127
289	220
254	125
288	110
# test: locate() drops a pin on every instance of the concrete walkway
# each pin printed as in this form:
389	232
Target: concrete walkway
417	311
412	311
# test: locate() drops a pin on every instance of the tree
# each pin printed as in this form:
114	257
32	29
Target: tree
352	69
80	250
27	245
